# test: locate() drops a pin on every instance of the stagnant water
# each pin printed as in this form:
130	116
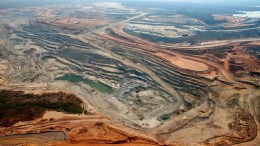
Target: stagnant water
97	85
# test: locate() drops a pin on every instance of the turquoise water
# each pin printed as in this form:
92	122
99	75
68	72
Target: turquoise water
165	117
97	85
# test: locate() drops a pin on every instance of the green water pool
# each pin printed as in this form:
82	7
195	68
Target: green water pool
97	85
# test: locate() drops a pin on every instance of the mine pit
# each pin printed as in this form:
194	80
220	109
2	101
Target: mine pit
106	73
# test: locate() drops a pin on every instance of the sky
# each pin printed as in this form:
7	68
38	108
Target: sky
17	3
207	1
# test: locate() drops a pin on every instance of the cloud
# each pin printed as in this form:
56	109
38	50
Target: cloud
109	5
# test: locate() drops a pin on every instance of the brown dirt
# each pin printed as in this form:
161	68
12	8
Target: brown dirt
257	43
92	22
149	46
80	130
241	62
44	12
230	19
183	62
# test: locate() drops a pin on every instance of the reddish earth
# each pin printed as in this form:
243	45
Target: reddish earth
39	123
93	128
255	43
80	130
183	62
149	46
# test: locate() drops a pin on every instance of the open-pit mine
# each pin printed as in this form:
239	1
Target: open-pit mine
104	73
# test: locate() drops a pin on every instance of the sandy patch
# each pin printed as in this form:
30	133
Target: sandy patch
81	21
257	43
2	81
53	115
212	75
203	130
237	25
3	68
183	62
230	19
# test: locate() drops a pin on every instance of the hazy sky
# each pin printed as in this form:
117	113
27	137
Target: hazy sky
18	3
208	1
219	2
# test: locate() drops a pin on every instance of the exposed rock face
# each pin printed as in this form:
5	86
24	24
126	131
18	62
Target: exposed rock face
36	124
16	106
